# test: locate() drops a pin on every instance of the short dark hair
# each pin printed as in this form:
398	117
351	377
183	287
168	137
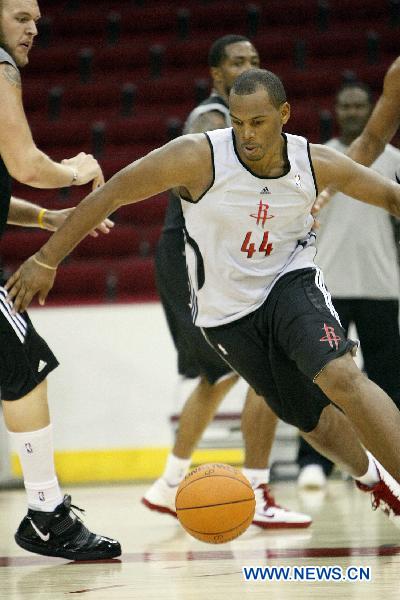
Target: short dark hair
359	85
249	81
217	51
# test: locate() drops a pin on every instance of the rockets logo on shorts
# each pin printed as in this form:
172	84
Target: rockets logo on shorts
330	336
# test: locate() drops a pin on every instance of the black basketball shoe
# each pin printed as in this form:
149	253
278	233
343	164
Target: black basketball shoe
61	533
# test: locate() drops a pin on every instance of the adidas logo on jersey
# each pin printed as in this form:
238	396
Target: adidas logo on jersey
265	191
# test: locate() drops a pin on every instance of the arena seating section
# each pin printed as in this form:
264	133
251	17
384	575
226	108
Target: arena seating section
118	79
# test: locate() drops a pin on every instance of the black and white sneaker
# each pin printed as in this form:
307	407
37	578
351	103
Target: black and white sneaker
61	533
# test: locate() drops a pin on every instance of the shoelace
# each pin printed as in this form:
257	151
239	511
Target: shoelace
67	503
268	497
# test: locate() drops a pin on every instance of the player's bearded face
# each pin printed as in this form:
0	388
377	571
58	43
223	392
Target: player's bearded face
18	28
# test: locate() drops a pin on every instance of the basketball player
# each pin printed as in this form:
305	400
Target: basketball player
50	527
246	194
229	56
365	289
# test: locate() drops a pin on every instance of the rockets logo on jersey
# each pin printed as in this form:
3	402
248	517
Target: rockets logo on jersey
261	217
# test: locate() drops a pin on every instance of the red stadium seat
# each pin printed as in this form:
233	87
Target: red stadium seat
18	244
113	260
81	280
144	213
123	240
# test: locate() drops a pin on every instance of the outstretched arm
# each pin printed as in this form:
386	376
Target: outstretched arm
335	169
383	122
24	161
27	214
381	127
184	162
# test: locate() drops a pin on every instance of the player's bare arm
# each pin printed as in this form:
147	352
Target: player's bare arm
383	122
27	214
335	169
213	119
184	163
24	161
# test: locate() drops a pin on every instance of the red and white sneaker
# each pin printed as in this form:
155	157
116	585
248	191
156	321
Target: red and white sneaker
270	515
160	497
385	494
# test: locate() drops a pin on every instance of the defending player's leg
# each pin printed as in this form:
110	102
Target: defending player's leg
258	428
197	413
314	469
50	526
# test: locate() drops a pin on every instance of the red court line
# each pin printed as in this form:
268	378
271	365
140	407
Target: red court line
245	555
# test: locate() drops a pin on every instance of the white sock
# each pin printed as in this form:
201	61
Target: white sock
175	469
371	477
256	477
36	453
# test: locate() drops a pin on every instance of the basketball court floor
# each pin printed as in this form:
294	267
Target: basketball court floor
161	561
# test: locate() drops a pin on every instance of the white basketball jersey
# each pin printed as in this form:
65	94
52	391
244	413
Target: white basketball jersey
247	231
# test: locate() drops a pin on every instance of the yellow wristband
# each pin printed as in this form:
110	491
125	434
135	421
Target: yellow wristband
40	217
43	264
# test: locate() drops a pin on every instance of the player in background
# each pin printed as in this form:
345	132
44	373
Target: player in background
379	130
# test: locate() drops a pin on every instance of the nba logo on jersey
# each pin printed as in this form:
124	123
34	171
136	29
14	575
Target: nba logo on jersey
297	180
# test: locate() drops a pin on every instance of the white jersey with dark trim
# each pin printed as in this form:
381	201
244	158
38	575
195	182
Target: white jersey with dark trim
213	103
246	231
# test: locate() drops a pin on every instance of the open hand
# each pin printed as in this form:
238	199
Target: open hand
55	218
87	168
30	279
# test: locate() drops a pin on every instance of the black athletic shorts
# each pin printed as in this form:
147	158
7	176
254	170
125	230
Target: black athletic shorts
195	355
25	358
281	347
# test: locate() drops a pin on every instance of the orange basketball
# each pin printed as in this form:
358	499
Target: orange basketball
215	503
